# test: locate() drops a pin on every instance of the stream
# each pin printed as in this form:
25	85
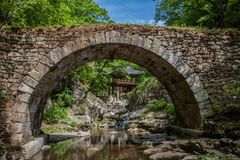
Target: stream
102	145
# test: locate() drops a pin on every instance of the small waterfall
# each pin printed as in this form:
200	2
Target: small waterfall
122	123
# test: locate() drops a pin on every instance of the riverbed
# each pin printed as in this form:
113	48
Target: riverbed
101	145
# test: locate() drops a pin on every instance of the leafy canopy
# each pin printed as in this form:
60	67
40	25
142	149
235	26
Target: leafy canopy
207	13
34	13
95	75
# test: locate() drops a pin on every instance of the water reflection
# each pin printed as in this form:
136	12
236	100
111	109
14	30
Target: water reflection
102	145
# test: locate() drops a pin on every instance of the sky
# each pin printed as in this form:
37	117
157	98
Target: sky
130	11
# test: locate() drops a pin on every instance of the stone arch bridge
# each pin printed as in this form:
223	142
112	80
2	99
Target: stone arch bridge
192	65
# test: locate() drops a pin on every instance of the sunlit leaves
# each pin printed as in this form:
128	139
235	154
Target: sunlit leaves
207	13
34	13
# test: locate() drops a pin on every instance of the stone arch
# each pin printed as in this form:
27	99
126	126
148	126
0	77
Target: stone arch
183	85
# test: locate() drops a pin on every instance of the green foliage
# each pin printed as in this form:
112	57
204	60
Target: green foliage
140	94
209	13
216	107
59	112
233	87
55	114
63	98
2	94
208	156
156	105
147	83
95	75
97	120
55	128
161	104
34	13
170	110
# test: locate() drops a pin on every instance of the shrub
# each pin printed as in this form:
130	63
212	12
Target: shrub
2	94
97	120
170	109
63	99
161	104
216	107
56	114
233	88
156	105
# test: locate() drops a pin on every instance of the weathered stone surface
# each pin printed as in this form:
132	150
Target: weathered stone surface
204	61
56	137
168	156
32	147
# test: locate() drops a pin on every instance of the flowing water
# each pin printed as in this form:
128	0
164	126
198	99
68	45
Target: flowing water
102	145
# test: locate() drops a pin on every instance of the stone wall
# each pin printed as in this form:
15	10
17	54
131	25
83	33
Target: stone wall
192	65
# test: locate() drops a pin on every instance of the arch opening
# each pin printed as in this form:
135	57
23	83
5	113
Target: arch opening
182	96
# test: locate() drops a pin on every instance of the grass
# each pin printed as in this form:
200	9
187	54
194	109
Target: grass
208	156
3	94
55	128
144	25
159	105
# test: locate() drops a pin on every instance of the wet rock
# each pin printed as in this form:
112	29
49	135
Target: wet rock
46	147
137	131
154	125
163	148
111	115
169	155
184	132
56	137
192	147
83	121
108	123
137	114
148	138
191	157
32	147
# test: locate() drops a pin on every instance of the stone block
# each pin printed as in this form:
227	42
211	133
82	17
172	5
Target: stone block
56	55
147	44
30	81
141	40
69	48
20	117
23	97
21	107
197	86
191	79
35	74
201	96
25	88
114	37
155	45
41	68
161	51
16	139
135	39
4	46
46	61
32	147
184	70
16	128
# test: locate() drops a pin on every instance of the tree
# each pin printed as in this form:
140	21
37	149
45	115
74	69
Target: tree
207	13
34	13
9	8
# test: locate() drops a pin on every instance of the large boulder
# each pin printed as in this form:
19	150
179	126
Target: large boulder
149	121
